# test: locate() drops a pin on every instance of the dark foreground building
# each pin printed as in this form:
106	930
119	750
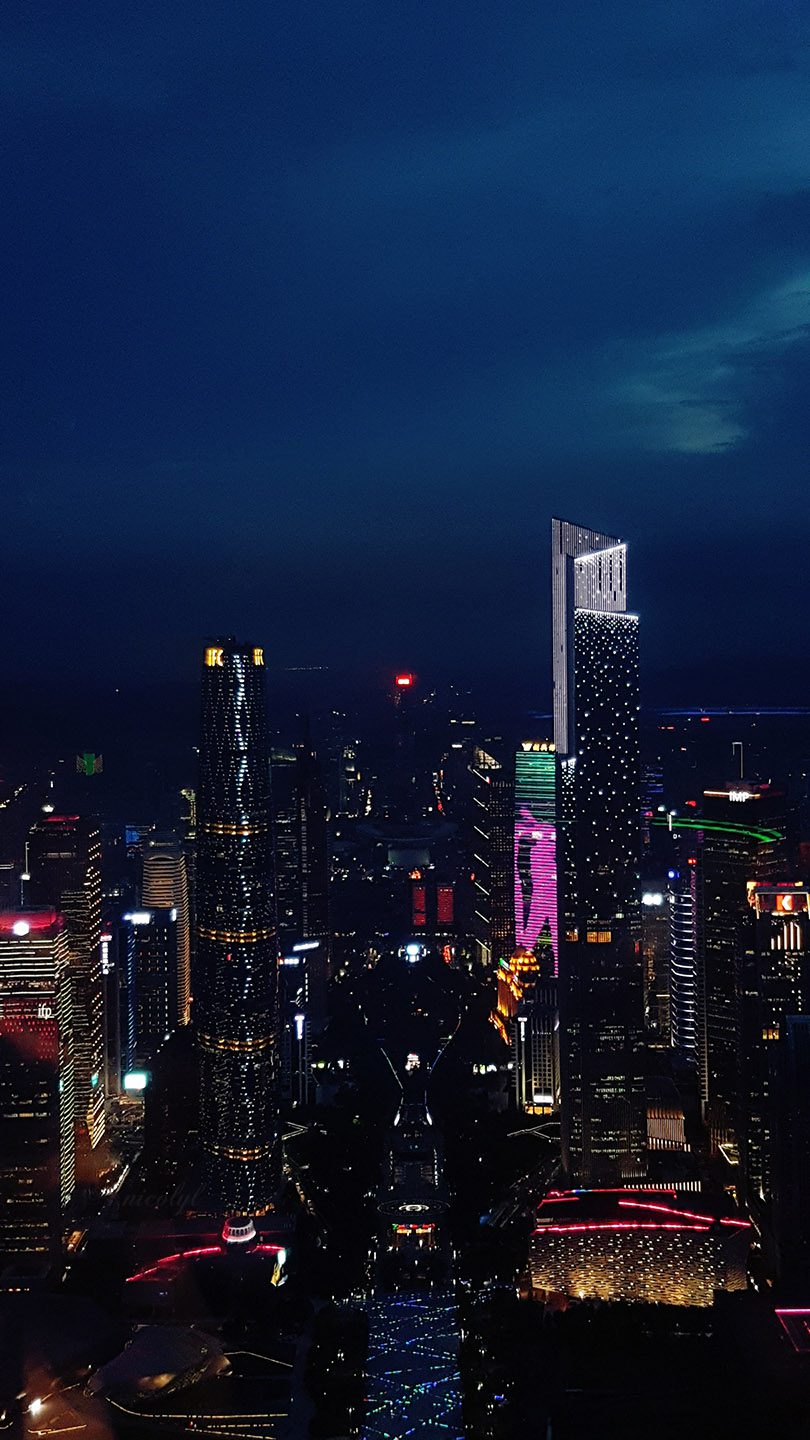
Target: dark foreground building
236	940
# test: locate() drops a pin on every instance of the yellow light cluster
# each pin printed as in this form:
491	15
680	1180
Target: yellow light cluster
235	937
216	827
243	1047
213	656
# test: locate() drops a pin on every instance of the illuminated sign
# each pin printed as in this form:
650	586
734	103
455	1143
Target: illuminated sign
213	656
652	897
87	763
740	795
778	899
404	681
136	1081
139	917
258	655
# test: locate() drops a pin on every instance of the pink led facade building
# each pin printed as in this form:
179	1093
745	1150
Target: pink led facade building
535	869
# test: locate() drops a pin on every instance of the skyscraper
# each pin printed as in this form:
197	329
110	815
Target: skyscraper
774	984
535	875
236	938
738	844
595	661
570	544
165	887
301	843
154	969
64	858
493	857
37	1134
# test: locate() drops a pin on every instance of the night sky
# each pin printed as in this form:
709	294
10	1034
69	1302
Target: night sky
315	313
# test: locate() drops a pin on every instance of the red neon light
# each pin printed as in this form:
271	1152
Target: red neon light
615	1190
165	1260
403	681
688	1214
36	920
692	804
705	719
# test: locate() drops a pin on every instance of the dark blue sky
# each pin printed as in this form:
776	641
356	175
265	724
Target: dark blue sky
315	313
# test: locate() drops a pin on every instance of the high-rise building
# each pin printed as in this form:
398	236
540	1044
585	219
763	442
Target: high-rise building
739	843
154	972
570	544
301	841
493	856
596	701
37	1130
683	979
313	843
535	868
165	887
64	860
655	946
526	1018
791	1179
236	937
774	984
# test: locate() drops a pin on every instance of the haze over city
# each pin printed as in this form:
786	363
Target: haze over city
313	315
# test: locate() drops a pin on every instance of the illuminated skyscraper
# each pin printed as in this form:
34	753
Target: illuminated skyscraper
154	971
683	999
738	844
595	658
774	984
535	874
37	1131
493	856
165	887
64	858
571	544
236	937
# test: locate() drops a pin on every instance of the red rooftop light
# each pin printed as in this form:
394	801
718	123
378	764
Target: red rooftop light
403	681
24	922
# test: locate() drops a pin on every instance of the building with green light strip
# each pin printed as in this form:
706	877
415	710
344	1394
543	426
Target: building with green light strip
729	854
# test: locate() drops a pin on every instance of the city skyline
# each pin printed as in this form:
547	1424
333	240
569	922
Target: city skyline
404	889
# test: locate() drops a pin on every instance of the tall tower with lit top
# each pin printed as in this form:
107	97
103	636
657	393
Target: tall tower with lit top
236	935
596	727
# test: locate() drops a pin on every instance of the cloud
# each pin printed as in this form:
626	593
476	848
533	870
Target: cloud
690	392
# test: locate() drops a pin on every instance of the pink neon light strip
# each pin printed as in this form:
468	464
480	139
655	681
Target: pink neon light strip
542	838
190	1255
617	1225
688	1214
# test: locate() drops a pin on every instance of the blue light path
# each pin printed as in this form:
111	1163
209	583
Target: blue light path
414	1386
